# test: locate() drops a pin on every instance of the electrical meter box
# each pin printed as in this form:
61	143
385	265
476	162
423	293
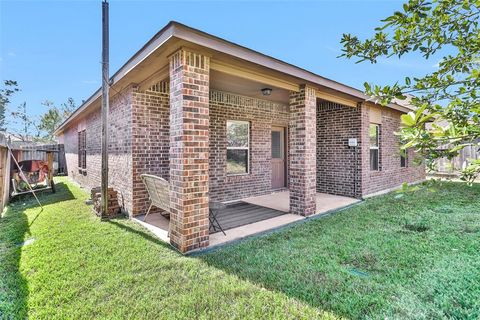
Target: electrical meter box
352	142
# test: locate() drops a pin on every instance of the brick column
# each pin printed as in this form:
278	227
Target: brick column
302	151
189	123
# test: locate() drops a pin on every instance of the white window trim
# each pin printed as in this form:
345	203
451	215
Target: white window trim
240	148
377	147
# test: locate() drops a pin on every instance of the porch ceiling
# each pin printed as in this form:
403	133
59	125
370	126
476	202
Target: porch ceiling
230	83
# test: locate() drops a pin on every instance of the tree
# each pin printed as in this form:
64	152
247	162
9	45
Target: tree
54	116
68	108
446	101
50	120
10	87
26	124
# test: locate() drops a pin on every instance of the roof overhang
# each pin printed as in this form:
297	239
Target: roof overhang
175	34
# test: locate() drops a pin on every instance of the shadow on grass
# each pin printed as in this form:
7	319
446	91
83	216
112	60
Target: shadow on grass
13	286
143	234
46	197
14	232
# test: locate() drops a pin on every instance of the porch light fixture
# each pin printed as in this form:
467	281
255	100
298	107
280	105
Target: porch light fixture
266	91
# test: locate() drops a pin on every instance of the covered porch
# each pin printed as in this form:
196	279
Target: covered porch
225	132
249	216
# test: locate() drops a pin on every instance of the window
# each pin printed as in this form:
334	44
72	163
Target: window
238	143
277	145
403	158
82	149
374	133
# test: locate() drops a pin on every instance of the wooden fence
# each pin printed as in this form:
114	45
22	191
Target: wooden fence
456	164
34	151
25	151
4	177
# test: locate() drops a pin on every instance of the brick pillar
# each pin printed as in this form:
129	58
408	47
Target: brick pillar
302	151
189	124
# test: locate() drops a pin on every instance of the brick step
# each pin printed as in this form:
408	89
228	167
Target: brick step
113	204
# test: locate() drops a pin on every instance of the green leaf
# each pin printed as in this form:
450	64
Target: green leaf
408	119
449	93
367	86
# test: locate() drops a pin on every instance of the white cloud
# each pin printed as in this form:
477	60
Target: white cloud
11	54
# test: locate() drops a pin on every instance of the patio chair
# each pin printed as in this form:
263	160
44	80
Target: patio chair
158	192
214	208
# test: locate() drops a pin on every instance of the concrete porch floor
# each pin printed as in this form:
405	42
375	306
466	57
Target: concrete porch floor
281	201
158	224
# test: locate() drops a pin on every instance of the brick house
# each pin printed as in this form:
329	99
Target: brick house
223	122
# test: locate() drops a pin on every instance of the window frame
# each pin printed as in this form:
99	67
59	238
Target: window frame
82	150
238	148
377	147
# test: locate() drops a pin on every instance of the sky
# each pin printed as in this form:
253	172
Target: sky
53	48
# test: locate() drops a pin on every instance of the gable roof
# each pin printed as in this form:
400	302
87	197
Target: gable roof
194	36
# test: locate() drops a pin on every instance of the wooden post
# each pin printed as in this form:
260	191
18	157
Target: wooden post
3	176
50	170
105	105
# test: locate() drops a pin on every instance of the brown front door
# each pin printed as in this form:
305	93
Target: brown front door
278	157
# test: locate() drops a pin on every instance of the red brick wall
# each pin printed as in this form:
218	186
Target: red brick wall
139	143
337	171
120	164
390	174
336	161
151	131
262	115
150	142
150	145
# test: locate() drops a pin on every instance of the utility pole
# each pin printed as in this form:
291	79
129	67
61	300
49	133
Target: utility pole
105	106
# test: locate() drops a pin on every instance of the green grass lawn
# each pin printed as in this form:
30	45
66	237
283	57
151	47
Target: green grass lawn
410	257
79	267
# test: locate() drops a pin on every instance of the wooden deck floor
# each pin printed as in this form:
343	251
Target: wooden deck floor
242	213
